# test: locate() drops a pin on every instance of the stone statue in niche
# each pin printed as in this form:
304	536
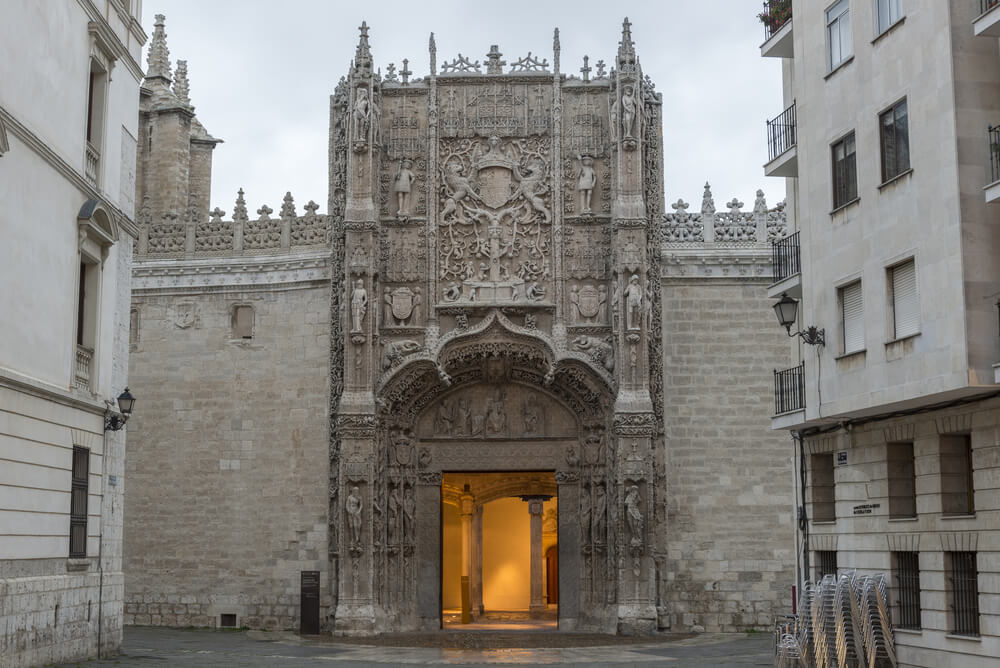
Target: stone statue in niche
600	512
387	318
496	416
394	515
359	306
574	301
362	115
628	111
531	414
402	184
353	507
602	301
409	511
464	420
444	420
586	180
633	514
633	303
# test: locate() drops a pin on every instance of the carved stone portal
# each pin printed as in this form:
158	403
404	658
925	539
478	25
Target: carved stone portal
486	224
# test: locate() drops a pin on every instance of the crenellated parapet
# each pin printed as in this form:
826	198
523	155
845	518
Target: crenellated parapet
731	243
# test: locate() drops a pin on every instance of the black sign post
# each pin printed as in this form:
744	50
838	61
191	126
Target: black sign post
309	606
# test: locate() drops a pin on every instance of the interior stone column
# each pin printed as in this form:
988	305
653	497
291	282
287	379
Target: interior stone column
535	506
476	576
467	510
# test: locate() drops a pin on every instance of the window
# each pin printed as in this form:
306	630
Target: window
902	480
86	323
845	172
895	140
133	326
906	568
243	322
903	300
826	563
887	13
957	491
963	592
78	503
823	489
838	33
852	319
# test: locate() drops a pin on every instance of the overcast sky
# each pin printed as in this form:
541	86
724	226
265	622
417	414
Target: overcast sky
261	73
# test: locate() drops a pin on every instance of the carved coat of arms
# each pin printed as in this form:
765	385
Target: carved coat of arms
590	303
402	303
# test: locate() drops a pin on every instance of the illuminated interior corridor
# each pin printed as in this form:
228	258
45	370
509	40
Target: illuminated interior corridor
499	551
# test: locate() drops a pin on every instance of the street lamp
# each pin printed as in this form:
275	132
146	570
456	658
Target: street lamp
785	309
115	421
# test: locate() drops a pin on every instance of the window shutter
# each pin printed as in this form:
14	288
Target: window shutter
905	304
853	313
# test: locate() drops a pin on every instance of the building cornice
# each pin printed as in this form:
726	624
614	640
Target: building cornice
241	273
72	398
122	52
44	151
716	261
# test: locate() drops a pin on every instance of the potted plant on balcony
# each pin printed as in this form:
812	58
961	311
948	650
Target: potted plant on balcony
776	14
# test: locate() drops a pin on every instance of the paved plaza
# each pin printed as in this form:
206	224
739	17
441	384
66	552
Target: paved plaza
195	648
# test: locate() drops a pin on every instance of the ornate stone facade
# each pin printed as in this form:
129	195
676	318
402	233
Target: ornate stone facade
492	255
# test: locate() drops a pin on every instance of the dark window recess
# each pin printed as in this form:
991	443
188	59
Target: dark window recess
227	621
826	563
902	480
78	503
823	488
81	304
243	322
907	568
963	593
845	172
895	138
957	493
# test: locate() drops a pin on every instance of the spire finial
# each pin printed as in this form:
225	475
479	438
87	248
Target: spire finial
626	49
158	58
432	47
182	88
363	54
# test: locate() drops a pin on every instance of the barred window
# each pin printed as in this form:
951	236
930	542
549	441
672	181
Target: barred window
78	502
963	593
826	563
906	568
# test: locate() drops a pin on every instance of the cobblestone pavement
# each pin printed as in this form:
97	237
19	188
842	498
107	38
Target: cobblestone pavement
194	648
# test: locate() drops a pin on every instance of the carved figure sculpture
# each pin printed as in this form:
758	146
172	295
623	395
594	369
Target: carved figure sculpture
353	507
600	350
394	515
574	300
362	115
586	180
600	512
496	416
628	111
387	319
458	189
633	303
633	513
359	305
602	300
531	413
444	421
409	511
418	299
585	519
535	292
452	292
532	187
464	418
402	183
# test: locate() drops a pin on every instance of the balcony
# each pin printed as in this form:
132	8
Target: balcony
83	367
777	20
91	167
782	156
988	22
787	265
789	390
993	180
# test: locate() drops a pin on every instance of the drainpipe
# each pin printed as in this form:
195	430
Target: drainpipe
803	519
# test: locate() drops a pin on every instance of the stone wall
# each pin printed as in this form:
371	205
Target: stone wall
230	457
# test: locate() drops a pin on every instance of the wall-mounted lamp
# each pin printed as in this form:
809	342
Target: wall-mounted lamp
785	309
115	421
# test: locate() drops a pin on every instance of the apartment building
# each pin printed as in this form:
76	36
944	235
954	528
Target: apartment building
68	125
890	147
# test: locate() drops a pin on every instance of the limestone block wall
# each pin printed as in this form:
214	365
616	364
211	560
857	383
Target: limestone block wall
730	487
228	457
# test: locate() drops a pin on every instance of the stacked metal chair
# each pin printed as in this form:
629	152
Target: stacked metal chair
876	621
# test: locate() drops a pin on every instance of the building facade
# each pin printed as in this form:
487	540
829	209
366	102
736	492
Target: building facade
68	112
888	144
496	311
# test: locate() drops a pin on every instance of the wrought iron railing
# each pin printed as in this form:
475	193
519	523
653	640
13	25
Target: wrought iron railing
776	14
987	5
994	133
781	133
92	163
785	257
84	363
789	389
